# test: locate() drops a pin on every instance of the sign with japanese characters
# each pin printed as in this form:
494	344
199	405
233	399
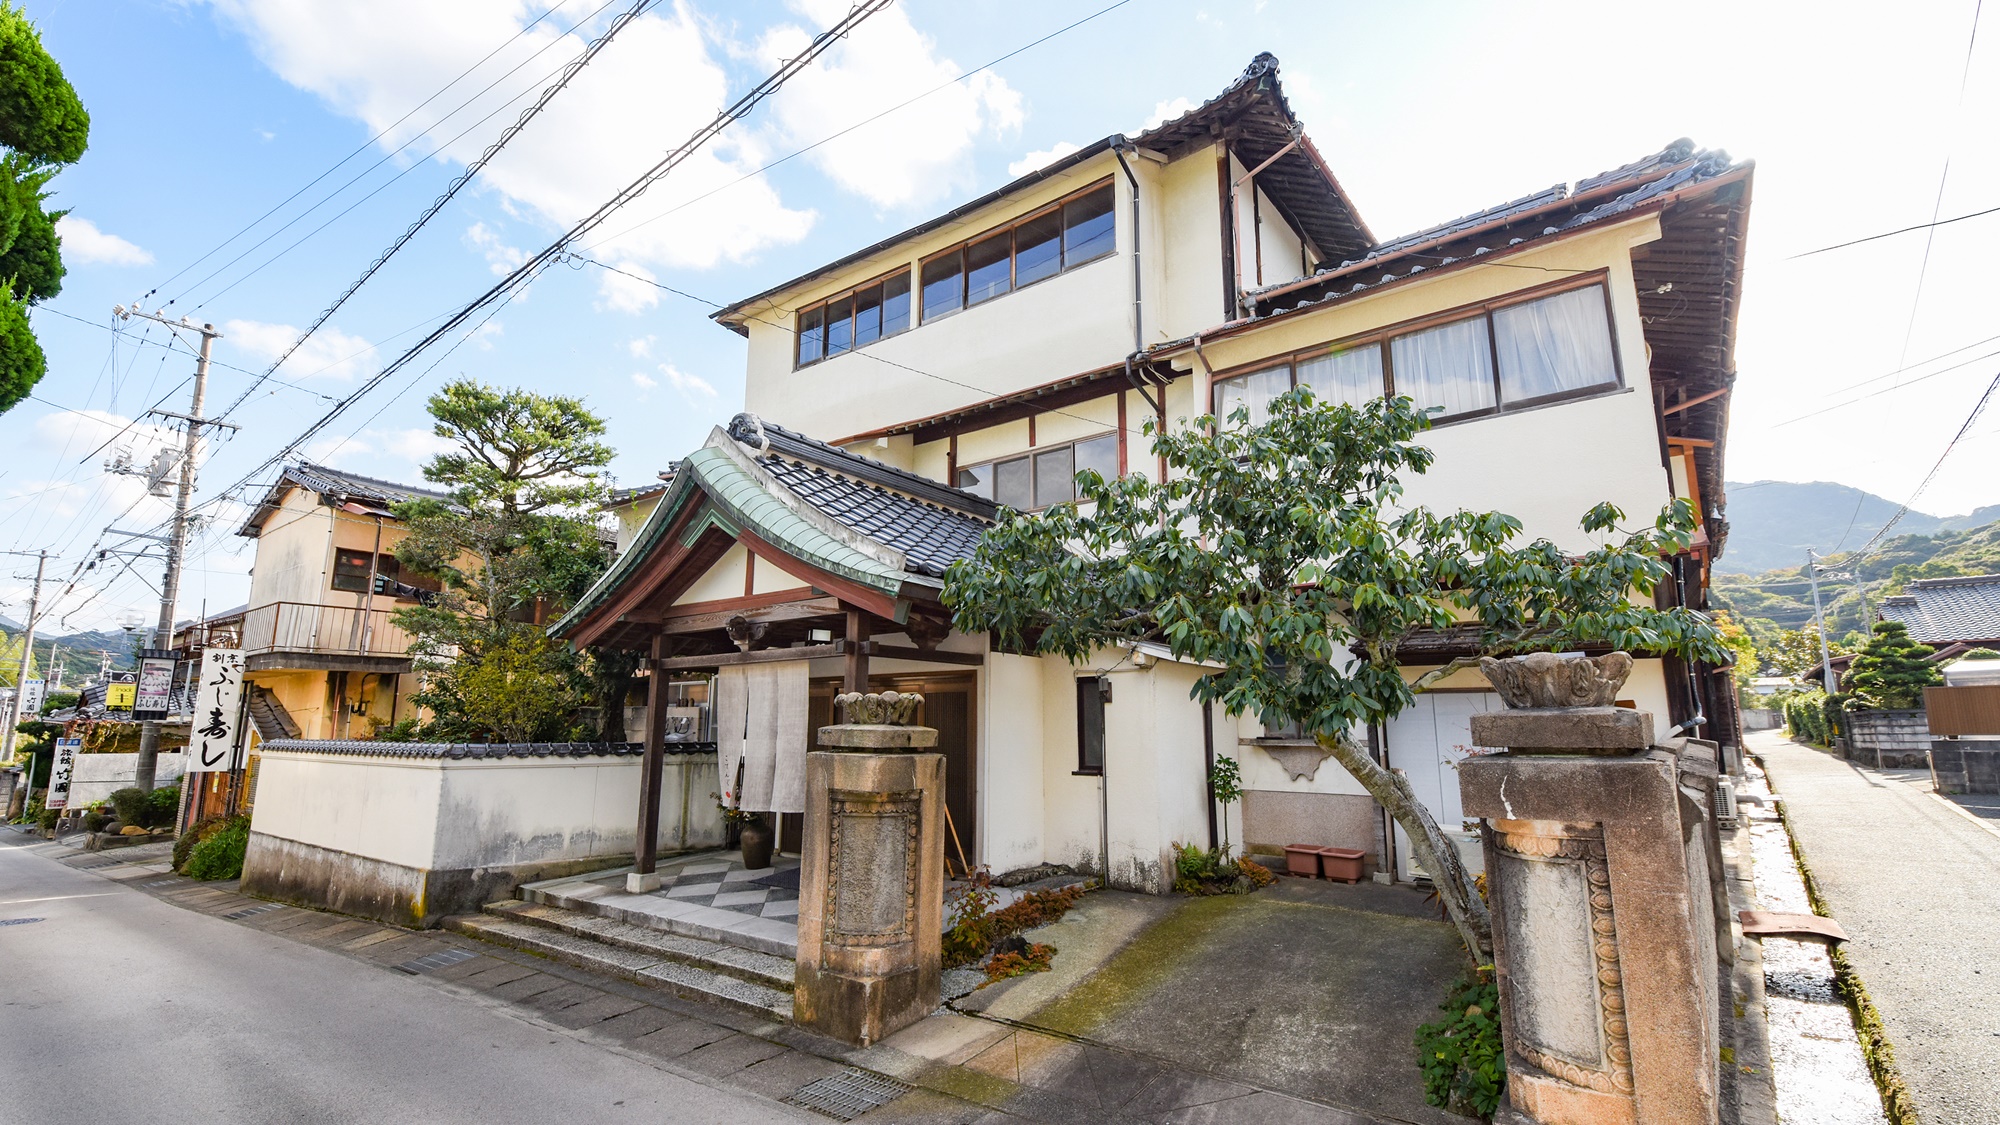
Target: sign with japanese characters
31	698
156	684
121	691
58	796
212	743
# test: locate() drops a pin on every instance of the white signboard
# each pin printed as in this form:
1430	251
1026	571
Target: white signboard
31	698
66	749
156	687
212	745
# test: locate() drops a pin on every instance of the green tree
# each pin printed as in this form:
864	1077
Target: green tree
1738	641
1891	672
514	546
43	127
1286	554
1795	651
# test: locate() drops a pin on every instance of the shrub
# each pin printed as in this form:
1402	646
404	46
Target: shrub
44	818
1210	871
195	833
1813	716
1032	957
977	927
1891	671
132	804
220	856
1460	1055
162	805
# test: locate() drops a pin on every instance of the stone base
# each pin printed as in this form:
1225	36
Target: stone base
327	879
637	884
1534	1098
871	893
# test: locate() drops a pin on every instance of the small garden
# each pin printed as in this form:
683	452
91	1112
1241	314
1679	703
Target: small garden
991	939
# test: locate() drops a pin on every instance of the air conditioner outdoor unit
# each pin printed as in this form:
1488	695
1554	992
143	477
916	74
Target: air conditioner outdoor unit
1725	802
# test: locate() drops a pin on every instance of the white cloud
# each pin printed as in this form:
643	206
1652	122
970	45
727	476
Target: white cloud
915	154
83	242
330	352
501	258
644	381
690	386
393	454
627	294
1041	159
641	347
645	94
1166	111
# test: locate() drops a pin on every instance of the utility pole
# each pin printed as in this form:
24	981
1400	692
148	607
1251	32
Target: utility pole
163	632
27	654
1819	620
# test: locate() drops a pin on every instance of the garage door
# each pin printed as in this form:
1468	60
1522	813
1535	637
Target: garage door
1426	743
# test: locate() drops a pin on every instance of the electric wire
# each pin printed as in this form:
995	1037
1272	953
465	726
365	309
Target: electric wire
1930	234
1977	408
451	190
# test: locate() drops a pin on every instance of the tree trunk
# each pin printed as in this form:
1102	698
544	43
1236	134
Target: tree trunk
1454	887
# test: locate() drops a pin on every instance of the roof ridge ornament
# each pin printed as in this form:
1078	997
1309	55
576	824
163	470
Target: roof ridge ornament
757	424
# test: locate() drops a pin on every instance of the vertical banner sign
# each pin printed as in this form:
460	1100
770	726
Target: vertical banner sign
156	683
214	739
66	749
122	691
31	698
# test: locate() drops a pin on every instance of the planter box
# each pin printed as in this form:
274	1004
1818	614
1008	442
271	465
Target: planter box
1302	859
1342	865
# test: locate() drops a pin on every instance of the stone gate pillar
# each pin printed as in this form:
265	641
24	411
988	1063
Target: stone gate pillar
1599	880
871	875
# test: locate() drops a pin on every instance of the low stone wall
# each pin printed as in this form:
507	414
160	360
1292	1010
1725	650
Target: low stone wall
412	832
1965	765
95	777
1888	739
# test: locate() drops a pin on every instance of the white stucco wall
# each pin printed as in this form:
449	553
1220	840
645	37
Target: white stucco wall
1013	764
94	777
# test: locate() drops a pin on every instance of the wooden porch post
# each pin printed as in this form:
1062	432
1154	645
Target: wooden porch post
645	853
857	657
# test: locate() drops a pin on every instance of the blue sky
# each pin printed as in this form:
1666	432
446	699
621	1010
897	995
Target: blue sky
208	115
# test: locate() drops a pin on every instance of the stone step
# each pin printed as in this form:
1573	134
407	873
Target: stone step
688	981
748	964
667	915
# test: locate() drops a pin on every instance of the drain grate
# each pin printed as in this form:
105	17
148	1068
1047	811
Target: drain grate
17	921
849	1094
160	883
431	962
99	865
246	911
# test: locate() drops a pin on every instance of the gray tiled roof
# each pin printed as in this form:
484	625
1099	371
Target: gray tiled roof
932	524
337	486
1948	610
438	750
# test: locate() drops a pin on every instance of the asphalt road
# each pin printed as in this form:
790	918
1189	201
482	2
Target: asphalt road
122	1006
1915	882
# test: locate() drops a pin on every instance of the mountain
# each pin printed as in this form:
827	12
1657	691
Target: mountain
1783	596
80	652
1773	522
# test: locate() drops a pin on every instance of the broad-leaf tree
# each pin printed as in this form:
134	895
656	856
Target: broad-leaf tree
43	126
515	545
1286	554
1891	671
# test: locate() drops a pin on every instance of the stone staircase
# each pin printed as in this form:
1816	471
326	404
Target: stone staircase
693	966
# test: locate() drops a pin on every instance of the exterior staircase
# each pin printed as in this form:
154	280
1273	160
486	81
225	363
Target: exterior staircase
757	982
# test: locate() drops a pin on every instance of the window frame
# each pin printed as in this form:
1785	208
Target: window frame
1010	228
1028	455
851	295
383	564
1090	696
1383	335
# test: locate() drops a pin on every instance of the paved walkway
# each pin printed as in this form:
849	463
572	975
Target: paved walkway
1915	881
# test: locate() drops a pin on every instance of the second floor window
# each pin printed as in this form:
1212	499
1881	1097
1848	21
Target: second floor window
351	568
1062	236
1521	353
1042	476
854	319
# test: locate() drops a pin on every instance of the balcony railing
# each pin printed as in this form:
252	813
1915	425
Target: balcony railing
328	629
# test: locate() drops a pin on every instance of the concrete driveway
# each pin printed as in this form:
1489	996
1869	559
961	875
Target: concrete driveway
1915	881
1310	989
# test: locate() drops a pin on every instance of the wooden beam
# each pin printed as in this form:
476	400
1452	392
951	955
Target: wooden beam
739	605
761	656
1695	401
857	651
1699	443
874	601
645	851
927	656
784	611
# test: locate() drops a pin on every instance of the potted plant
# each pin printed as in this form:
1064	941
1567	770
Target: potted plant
752	834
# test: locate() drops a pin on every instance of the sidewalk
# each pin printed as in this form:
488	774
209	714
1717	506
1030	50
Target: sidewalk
920	1078
1915	881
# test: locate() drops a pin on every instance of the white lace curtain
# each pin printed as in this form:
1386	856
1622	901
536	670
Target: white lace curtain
1556	344
1353	376
1449	366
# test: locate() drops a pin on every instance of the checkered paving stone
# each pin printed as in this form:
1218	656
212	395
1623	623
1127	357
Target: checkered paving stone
720	880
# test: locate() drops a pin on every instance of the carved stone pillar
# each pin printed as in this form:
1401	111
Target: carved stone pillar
871	876
1603	915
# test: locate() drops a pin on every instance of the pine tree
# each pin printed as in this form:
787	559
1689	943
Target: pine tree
1890	672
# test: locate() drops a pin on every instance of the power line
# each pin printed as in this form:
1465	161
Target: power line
451	190
1930	226
1928	477
548	255
1887	390
363	147
1930	235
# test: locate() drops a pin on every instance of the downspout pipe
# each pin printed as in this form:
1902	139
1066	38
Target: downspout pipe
1138	299
1208	779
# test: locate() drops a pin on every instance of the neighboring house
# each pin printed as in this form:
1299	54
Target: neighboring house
629	507
1580	341
320	649
1951	615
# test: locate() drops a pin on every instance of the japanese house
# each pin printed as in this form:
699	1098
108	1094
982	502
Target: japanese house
1578	339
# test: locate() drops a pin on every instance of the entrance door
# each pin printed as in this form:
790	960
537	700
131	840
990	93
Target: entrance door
1426	743
948	706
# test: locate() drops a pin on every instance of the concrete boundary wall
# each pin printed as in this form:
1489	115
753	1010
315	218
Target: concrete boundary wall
95	777
1888	739
412	839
